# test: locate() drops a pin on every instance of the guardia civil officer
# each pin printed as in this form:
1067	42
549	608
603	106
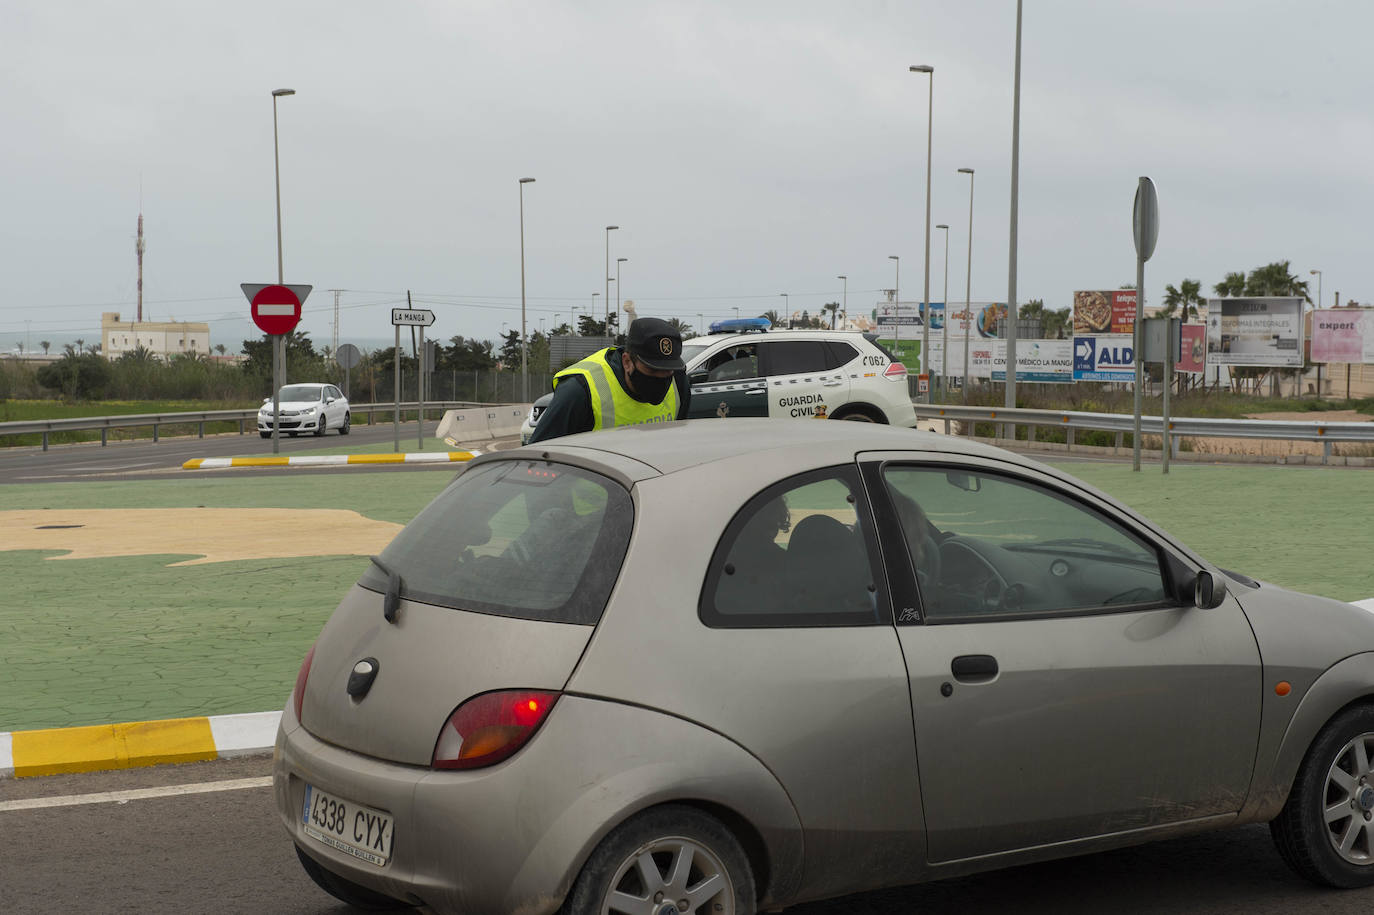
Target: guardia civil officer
642	382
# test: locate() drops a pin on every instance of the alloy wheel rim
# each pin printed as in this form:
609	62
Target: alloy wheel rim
670	876
1348	803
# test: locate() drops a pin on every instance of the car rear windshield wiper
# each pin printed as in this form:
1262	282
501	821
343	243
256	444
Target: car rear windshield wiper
391	603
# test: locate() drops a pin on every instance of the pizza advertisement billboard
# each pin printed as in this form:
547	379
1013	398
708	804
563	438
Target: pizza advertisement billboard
1109	311
1255	331
1104	357
1343	335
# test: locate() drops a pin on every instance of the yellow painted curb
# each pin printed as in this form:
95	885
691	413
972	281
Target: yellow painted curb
376	458
317	460
112	746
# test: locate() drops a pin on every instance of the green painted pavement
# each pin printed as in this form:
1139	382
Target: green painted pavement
102	640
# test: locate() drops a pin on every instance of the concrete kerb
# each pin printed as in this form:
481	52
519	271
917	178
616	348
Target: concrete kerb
128	745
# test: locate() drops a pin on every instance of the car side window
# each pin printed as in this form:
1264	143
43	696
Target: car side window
732	363
841	353
984	544
335	393
794	357
800	553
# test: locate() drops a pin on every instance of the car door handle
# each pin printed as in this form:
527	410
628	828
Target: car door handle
834	382
755	393
974	668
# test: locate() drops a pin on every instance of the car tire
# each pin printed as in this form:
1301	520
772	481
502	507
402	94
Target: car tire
265	434
1313	833
347	424
718	880
862	414
360	897
323	427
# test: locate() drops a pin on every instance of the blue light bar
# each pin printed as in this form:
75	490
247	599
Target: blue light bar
740	325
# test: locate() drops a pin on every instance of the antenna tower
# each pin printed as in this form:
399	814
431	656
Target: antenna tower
139	246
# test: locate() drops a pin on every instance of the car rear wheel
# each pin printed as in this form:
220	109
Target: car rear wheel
347	424
670	859
1325	831
265	434
360	897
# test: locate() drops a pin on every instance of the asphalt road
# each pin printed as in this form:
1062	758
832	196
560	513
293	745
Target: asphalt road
223	851
148	460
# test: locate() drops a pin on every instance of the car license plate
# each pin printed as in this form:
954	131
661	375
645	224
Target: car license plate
347	826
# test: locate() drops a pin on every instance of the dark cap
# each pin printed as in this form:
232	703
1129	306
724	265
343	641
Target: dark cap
656	343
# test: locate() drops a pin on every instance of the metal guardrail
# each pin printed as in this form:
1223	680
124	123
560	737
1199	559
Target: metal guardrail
1198	427
104	424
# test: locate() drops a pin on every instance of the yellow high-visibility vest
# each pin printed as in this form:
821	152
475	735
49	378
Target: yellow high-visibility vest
612	405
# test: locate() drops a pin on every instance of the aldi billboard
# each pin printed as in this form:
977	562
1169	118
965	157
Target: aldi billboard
1106	357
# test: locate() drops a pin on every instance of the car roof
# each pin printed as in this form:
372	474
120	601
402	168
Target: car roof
670	447
776	333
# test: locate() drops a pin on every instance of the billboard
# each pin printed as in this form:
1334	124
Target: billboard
1105	357
1255	331
1110	311
905	314
1043	361
1193	352
1343	335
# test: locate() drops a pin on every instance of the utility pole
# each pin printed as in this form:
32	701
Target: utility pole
337	293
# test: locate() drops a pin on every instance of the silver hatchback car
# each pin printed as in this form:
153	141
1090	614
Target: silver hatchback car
730	665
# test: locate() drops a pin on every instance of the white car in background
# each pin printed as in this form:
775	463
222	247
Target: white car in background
314	408
742	369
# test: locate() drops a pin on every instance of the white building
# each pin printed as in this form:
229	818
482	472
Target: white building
163	339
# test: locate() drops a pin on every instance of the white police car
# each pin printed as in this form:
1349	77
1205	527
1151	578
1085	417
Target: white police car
744	368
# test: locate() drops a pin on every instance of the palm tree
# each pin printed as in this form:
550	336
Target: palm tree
45	344
772	317
1233	284
219	348
1275	280
1187	296
79	344
834	309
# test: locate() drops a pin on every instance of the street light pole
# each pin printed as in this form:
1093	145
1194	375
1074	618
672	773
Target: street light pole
845	300
701	324
944	324
1012	310
968	286
609	230
524	346
786	308
279	344
897	307
1318	274
925	328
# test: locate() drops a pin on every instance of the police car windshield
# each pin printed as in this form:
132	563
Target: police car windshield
691	350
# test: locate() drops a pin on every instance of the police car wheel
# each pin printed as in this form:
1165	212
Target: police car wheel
859	418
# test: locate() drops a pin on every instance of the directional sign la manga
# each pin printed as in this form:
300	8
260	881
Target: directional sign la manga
412	317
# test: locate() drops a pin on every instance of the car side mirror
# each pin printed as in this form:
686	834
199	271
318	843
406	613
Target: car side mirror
1208	590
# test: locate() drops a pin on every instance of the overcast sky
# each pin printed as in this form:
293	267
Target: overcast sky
745	149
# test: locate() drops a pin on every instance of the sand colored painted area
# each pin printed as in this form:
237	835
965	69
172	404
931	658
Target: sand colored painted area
1283	446
213	534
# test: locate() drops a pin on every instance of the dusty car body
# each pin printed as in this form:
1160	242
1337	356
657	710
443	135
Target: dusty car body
869	695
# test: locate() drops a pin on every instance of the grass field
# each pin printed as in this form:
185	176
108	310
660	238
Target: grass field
98	640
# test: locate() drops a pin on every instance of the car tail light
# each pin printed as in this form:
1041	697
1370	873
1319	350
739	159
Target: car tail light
489	728
298	695
894	370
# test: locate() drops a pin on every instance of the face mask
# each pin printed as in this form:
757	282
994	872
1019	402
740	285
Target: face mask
648	388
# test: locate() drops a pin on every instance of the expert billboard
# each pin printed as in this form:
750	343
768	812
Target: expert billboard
1343	335
1255	331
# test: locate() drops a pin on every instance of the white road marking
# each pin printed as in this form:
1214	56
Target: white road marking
136	794
1366	604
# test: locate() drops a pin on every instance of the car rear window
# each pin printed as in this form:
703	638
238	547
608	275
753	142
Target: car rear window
517	539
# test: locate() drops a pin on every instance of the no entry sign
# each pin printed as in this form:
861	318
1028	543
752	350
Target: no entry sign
276	309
